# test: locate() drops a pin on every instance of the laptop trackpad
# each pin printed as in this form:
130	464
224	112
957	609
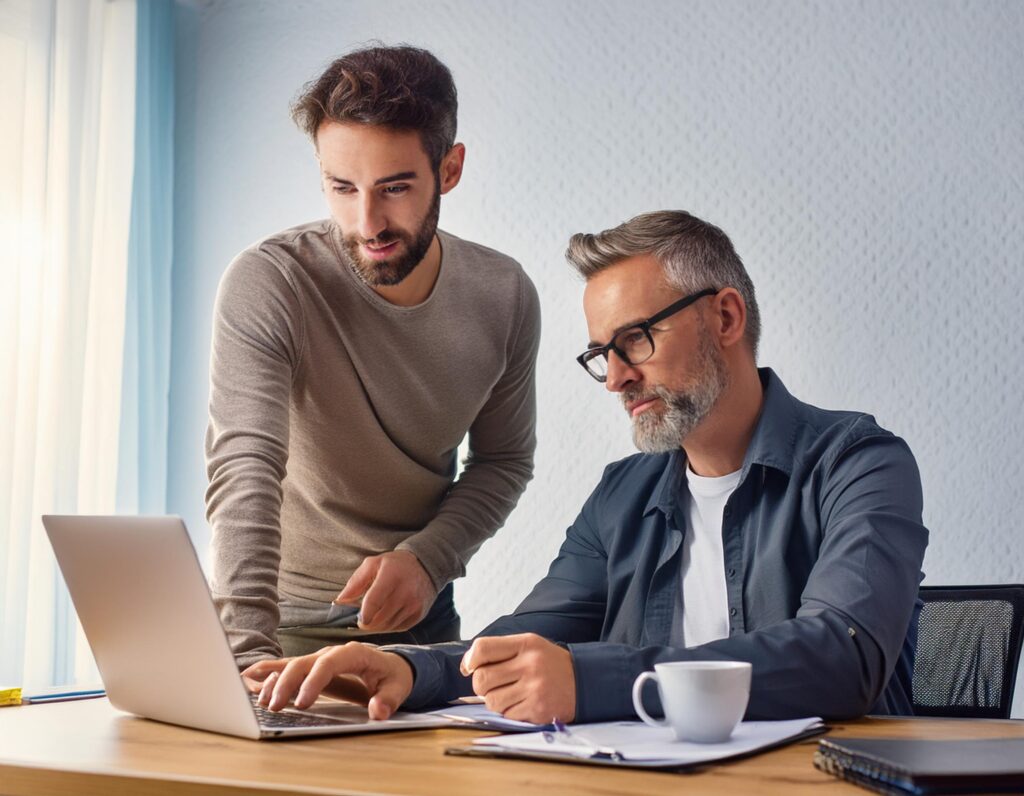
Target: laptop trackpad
349	713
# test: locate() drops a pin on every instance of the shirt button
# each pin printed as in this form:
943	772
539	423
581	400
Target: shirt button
732	573
732	612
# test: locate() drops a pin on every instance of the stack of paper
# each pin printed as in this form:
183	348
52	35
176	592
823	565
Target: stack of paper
631	743
474	715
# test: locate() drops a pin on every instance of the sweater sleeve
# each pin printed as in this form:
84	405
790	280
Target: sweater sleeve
502	439
257	341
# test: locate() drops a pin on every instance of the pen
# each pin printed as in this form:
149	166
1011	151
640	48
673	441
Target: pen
63	696
562	733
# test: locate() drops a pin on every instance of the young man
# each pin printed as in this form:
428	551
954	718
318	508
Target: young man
350	358
752	527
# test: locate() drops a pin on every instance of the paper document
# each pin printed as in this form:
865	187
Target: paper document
479	717
635	743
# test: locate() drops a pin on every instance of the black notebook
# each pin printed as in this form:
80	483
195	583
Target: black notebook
925	767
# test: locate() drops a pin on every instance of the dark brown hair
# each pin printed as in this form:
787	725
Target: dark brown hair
404	88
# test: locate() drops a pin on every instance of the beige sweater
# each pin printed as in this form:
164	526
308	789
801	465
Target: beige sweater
335	418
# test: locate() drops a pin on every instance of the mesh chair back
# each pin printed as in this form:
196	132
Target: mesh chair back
968	647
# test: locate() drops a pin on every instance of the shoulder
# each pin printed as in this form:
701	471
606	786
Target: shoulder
494	284
271	263
480	266
627	485
484	256
264	278
847	444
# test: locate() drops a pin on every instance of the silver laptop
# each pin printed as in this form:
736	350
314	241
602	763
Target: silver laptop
146	610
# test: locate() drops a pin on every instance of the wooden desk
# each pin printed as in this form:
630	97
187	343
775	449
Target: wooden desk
90	748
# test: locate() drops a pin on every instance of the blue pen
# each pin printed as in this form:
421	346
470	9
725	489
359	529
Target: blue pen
63	696
562	734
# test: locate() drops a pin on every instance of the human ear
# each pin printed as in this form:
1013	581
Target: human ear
730	313
451	167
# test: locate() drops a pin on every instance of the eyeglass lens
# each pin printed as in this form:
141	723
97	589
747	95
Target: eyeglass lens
635	346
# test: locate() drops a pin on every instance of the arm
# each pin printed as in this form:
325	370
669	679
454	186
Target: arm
567	605
256	347
500	461
835	656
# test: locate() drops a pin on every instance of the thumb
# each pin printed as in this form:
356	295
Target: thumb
387	699
360	581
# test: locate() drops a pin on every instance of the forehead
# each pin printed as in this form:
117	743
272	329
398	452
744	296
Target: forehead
627	292
356	152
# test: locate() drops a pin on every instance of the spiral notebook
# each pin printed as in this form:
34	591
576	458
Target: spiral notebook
925	767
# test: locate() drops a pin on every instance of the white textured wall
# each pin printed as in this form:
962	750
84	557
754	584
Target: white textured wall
866	158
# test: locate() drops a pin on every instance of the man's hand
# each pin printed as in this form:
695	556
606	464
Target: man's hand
395	589
523	677
355	672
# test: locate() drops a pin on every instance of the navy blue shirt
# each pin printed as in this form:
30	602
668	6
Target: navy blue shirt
823	545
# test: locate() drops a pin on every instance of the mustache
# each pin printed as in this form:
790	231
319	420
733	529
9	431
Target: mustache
632	394
384	237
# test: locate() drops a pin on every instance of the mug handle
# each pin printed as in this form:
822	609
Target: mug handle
638	700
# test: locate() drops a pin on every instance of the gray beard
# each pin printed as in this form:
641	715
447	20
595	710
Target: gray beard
664	431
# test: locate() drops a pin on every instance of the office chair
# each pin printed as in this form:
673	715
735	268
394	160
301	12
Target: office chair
968	647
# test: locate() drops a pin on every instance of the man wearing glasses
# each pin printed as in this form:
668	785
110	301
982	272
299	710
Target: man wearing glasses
752	526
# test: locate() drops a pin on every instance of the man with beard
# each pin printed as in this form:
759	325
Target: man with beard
351	356
753	527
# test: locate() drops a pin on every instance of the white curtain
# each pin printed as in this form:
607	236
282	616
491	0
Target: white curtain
67	118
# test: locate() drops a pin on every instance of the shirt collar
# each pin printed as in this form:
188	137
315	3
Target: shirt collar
771	446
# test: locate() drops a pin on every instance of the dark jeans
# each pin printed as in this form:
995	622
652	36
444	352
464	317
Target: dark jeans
441	623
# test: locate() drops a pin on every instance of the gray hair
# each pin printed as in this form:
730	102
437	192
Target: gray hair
695	254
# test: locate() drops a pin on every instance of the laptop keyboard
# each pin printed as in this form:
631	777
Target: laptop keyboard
276	720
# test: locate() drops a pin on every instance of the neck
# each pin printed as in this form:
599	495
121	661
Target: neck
719	444
416	287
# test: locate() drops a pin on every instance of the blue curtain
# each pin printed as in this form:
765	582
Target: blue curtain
142	462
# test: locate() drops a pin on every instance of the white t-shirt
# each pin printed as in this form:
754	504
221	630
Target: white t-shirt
705	601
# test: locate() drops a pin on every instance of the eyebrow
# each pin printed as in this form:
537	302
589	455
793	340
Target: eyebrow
630	325
402	175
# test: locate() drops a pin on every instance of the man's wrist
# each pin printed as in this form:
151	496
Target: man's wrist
427	679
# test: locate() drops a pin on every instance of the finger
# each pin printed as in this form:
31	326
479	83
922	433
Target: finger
360	581
494	676
502	700
268	689
387	699
528	711
387	618
490	649
290	680
391	690
375	599
330	665
261	669
406	620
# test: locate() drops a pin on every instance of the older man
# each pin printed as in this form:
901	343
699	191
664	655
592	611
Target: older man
752	526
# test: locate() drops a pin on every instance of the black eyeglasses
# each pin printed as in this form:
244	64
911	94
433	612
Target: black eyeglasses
634	344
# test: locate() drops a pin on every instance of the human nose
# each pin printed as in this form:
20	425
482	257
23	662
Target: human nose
620	373
371	221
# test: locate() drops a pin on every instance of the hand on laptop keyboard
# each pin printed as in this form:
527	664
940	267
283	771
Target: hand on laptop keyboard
354	671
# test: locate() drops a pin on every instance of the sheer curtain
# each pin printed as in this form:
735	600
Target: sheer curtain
69	291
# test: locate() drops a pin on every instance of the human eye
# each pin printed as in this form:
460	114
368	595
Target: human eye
630	337
396	190
342	188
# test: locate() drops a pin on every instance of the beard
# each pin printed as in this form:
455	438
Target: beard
664	431
384	273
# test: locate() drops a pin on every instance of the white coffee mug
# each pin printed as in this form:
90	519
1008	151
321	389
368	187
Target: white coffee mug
703	700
